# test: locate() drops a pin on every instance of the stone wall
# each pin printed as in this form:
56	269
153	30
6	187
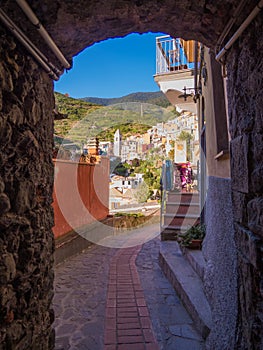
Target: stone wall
26	218
26	172
245	67
76	25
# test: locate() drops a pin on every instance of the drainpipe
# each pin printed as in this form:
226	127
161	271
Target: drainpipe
52	71
230	24
240	30
195	65
35	21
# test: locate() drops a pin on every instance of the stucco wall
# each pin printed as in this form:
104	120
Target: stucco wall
215	117
92	185
219	250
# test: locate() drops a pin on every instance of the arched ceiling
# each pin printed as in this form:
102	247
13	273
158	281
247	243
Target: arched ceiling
77	24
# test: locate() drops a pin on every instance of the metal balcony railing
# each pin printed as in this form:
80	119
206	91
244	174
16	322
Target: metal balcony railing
173	54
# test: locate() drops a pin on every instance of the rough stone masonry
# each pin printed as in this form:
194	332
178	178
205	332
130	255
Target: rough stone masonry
26	218
245	67
26	138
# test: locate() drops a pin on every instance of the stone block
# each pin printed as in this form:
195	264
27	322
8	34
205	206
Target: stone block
7	268
6	294
256	185
256	141
12	220
6	78
4	203
24	196
239	202
16	331
241	118
5	132
255	216
249	328
255	163
15	116
2	185
239	164
249	246
259	115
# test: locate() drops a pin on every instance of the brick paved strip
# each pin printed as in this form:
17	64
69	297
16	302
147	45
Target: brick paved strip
127	321
129	326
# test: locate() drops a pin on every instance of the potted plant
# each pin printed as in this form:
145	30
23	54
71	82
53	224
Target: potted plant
193	237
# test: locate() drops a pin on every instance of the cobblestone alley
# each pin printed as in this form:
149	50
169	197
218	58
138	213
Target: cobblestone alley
110	298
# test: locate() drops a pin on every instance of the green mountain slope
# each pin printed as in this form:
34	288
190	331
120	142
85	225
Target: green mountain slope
156	98
69	112
79	120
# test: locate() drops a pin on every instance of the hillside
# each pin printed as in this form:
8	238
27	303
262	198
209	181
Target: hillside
156	98
69	112
79	120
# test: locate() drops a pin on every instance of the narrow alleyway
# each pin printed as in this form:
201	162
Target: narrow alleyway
108	298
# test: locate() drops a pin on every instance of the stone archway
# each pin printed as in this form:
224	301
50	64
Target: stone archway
26	137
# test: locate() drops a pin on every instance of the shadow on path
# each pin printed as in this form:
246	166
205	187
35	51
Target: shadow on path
109	298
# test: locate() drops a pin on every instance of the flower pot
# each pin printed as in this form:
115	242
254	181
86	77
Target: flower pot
195	244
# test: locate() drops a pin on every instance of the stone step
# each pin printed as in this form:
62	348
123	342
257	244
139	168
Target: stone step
187	284
171	232
181	220
182	208
196	260
183	197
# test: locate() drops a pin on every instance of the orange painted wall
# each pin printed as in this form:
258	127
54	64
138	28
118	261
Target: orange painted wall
81	194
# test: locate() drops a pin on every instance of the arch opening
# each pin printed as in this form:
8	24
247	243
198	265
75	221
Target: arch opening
26	185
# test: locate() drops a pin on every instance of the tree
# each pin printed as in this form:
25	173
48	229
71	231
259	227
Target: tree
122	169
142	193
136	162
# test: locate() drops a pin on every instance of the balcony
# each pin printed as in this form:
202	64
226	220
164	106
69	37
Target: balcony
173	54
175	69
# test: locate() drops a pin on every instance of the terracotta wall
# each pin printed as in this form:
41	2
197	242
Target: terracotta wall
81	194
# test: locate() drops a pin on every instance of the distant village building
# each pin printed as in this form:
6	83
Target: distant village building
122	190
117	143
105	147
93	146
129	150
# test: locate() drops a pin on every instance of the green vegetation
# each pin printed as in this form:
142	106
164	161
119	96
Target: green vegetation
142	192
155	98
134	215
125	129
122	169
196	232
151	167
79	120
73	111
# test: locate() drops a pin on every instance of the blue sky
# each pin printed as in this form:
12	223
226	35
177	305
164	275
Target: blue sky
112	68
